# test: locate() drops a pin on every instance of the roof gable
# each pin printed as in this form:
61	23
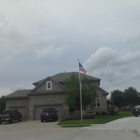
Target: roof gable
41	88
57	85
104	92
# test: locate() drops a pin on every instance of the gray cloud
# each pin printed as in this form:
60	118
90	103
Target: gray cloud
114	68
42	38
49	51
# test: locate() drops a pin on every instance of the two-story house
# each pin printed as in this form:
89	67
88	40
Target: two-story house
50	92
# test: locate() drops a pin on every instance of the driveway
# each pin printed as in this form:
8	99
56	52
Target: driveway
129	123
122	129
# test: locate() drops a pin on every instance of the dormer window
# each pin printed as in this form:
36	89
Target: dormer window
49	85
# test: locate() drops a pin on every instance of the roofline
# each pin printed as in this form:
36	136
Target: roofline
38	82
43	93
43	82
105	92
17	97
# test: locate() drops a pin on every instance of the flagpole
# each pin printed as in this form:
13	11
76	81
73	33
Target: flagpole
80	96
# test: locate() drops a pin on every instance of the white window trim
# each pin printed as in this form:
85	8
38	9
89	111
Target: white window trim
96	102
50	85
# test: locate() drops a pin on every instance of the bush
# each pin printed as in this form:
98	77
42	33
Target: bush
78	117
103	113
112	111
97	113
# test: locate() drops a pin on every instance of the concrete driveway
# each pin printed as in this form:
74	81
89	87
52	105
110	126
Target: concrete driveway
129	123
122	129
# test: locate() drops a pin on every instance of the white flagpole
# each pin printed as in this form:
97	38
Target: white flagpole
80	95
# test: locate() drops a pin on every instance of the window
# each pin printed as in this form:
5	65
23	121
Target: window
49	85
97	102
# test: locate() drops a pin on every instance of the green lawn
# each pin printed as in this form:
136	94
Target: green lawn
96	120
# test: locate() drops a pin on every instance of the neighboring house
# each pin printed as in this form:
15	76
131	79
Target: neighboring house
50	92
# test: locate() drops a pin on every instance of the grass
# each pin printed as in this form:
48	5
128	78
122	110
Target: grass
76	125
96	120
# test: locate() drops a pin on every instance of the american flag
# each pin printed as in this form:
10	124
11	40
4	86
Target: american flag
81	68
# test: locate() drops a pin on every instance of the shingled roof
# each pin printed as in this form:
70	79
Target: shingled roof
58	78
19	94
61	77
105	92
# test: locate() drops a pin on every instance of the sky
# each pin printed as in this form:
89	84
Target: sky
41	38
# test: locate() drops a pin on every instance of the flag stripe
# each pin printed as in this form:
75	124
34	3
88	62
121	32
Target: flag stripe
81	68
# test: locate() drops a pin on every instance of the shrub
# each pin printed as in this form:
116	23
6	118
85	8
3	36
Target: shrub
103	113
97	113
76	115
112	111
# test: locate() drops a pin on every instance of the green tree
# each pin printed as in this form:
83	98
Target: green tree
72	87
88	92
131	97
2	104
117	98
109	102
73	91
138	97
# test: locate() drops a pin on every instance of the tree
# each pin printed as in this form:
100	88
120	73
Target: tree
2	104
131	97
72	86
88	92
73	92
109	102
117	98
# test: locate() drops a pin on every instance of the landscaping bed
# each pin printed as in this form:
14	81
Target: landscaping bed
98	119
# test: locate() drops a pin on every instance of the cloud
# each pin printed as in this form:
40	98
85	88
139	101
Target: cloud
4	91
12	40
113	67
31	39
100	59
50	52
133	42
18	87
15	43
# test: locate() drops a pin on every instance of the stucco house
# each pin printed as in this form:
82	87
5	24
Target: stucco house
50	92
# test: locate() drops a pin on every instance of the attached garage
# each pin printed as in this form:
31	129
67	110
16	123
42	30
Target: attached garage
47	93
59	108
23	111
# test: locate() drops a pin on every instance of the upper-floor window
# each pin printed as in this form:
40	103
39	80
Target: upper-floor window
49	85
97	102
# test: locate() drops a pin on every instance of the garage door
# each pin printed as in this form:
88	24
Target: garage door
38	109
23	111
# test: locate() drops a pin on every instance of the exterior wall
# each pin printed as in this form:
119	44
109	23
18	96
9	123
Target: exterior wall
54	99
103	102
50	99
17	102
